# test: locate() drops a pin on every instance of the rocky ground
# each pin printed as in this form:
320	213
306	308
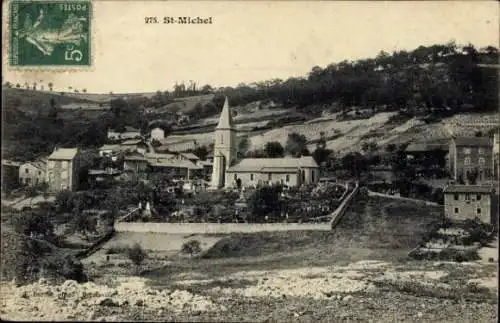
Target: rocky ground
371	291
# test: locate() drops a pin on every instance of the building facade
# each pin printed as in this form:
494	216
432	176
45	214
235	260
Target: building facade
469	156
32	173
63	168
128	133
157	133
462	202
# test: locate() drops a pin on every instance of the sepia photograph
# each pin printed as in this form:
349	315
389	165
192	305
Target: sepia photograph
250	161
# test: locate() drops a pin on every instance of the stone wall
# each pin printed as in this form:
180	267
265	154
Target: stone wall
220	228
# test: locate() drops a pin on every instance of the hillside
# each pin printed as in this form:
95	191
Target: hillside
347	136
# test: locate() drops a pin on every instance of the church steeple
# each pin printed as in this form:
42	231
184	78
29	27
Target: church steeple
225	120
225	147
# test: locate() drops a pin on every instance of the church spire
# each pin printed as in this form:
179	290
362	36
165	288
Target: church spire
225	120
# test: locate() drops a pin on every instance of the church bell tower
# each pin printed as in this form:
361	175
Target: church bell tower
225	148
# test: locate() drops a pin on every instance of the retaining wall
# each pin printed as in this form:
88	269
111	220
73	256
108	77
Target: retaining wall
220	228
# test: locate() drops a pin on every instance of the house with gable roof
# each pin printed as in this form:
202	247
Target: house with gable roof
62	169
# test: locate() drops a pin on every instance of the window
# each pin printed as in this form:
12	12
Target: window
478	211
287	178
456	210
481	161
481	151
221	138
64	174
51	164
478	197
251	177
269	176
64	164
27	171
456	197
467	161
467	151
312	174
467	197
235	176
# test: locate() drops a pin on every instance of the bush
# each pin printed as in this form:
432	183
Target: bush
191	247
137	255
117	250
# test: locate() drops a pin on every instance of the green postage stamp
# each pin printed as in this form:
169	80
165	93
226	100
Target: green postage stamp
50	33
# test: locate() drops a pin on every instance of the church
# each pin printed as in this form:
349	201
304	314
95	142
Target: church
228	171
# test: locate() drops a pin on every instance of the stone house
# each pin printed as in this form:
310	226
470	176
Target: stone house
63	168
157	133
128	133
135	163
463	202
135	145
33	173
469	155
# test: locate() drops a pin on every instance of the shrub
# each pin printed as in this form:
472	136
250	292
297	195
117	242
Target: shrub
117	250
137	255
191	247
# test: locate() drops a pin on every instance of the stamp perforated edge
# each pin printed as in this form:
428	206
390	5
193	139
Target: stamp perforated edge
51	68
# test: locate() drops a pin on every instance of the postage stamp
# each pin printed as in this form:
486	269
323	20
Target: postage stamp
50	33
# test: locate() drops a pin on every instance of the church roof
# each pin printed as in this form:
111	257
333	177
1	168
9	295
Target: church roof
270	165
225	120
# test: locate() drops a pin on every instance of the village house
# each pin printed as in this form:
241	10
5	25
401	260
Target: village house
469	155
135	145
110	150
135	163
62	169
10	173
189	156
128	133
172	164
176	145
228	171
157	133
463	202
33	173
103	177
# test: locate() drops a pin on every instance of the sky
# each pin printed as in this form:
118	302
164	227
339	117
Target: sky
254	41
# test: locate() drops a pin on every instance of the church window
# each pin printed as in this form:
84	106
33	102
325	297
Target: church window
251	177
235	176
269	176
287	178
221	138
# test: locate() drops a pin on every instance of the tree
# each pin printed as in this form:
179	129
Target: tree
84	90
18	85
137	255
191	247
274	149
355	164
243	145
201	152
321	155
264	201
296	144
34	222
